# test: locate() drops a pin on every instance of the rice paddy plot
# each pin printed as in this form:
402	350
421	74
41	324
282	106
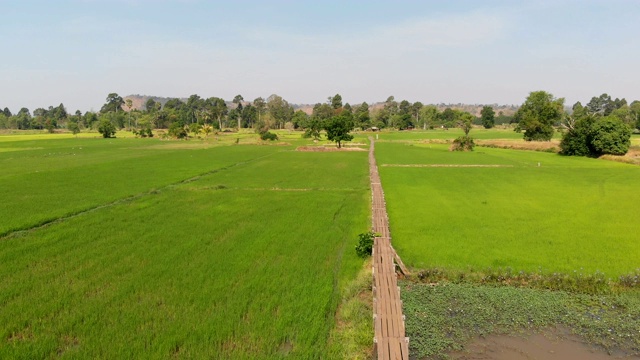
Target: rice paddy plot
566	215
43	180
188	273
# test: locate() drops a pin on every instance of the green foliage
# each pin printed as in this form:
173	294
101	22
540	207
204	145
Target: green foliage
300	119
538	114
336	101
178	131
365	244
462	143
603	105
313	128
113	104
73	127
351	337
488	117
268	135
106	128
338	128
610	136
194	128
596	136
401	121
362	117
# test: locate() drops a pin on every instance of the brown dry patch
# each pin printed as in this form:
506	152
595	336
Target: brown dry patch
432	141
552	344
67	342
446	165
631	157
550	146
327	149
23	335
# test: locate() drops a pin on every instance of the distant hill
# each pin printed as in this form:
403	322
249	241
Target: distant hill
139	102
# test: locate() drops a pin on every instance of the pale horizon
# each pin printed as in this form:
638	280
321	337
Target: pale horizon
494	52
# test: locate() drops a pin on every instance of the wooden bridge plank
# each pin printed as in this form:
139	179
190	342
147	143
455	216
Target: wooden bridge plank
389	328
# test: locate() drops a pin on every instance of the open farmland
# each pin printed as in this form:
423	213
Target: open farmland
496	208
187	251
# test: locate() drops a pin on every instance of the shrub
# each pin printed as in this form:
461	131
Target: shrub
268	135
178	131
462	143
365	244
106	128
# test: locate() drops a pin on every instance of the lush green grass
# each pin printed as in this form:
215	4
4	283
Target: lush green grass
189	270
569	214
43	180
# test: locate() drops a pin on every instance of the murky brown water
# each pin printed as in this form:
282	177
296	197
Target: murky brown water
547	346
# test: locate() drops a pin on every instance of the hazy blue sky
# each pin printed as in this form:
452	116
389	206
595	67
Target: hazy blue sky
78	51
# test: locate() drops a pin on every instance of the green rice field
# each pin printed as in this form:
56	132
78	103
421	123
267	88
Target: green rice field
233	248
137	248
499	208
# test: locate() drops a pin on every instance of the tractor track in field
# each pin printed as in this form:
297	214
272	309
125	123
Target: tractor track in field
47	222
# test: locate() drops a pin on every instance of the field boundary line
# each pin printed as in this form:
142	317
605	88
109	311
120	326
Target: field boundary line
446	165
42	224
389	338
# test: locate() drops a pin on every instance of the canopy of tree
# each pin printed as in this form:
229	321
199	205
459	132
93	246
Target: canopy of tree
602	127
538	114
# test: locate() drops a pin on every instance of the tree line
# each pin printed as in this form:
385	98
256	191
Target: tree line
273	112
586	130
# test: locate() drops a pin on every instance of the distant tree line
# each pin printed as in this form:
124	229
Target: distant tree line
539	117
182	117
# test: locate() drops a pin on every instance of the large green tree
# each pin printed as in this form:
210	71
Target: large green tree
589	133
336	101
150	105
280	110
217	109
238	99
113	103
428	116
603	105
488	117
537	115
323	111
362	116
338	128
261	106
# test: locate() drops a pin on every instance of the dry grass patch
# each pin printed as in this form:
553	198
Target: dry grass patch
548	146
327	149
446	165
631	157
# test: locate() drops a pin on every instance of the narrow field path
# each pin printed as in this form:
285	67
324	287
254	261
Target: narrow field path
390	341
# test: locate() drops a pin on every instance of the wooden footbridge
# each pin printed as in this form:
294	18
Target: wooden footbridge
389	340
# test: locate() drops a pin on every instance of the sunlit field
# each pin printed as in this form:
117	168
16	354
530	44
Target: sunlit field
497	208
156	249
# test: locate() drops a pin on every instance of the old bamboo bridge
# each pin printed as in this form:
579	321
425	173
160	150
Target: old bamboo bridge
389	339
